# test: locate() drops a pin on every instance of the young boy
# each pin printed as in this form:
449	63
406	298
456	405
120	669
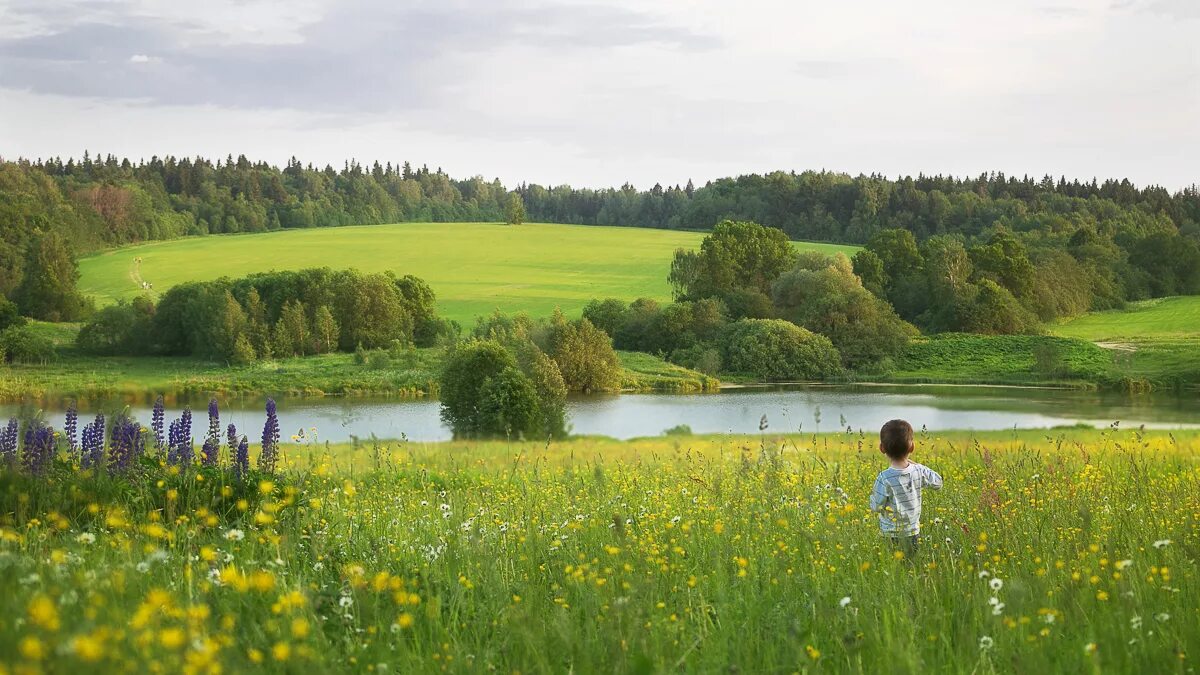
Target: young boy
897	493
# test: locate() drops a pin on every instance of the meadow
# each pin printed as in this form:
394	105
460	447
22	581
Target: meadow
474	268
1064	550
1161	318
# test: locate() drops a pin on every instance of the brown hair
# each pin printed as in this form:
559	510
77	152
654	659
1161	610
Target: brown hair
896	439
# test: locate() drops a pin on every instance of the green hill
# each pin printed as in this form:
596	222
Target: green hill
473	267
1177	317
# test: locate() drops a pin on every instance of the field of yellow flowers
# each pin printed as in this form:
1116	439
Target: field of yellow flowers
1055	551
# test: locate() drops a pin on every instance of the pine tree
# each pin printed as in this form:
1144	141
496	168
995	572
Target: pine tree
514	210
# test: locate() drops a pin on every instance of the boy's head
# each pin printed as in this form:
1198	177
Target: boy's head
896	439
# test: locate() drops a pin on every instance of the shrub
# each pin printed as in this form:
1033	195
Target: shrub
123	328
487	391
10	314
776	350
19	344
584	355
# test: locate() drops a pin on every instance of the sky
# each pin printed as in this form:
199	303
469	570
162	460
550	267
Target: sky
597	94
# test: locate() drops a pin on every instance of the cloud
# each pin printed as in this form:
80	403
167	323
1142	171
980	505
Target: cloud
367	56
1176	9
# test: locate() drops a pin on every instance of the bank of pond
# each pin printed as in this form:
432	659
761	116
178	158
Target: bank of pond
749	410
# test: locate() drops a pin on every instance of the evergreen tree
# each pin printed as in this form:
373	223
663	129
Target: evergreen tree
48	290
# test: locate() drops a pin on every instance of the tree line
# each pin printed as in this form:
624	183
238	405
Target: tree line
272	315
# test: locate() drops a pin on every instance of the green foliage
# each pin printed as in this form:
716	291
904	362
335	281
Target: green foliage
777	350
10	314
824	296
22	344
584	355
514	209
485	394
123	328
48	289
735	255
1003	359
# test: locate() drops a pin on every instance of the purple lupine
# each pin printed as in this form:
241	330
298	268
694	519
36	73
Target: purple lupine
242	462
232	437
120	447
156	423
211	451
8	444
173	443
71	426
269	455
184	451
92	444
38	452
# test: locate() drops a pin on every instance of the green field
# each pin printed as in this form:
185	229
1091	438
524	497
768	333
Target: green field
707	554
1177	317
474	268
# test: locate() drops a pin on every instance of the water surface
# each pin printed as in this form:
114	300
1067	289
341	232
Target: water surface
786	409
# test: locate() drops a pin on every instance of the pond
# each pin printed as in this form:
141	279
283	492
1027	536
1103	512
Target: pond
737	411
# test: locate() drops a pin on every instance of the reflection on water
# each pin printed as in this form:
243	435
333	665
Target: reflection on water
809	408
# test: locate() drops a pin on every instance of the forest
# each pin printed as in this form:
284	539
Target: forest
1096	244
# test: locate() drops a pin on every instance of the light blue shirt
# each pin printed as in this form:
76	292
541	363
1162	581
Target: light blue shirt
896	497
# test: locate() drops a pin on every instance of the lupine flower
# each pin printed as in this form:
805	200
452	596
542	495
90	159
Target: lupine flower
126	443
39	448
242	463
270	440
8	444
181	440
71	426
92	444
212	443
231	437
156	423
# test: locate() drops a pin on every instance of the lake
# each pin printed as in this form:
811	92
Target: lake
736	411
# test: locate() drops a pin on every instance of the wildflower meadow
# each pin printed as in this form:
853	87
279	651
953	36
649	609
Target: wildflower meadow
127	548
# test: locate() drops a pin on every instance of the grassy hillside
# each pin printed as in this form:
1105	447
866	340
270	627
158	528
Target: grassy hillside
473	267
1177	317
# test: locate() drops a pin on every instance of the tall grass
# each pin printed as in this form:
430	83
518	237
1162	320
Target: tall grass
1068	551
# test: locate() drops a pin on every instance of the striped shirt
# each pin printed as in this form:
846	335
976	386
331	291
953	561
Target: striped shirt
897	498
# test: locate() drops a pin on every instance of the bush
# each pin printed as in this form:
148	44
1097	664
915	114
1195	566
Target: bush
704	358
20	344
123	328
584	355
10	314
777	350
485	393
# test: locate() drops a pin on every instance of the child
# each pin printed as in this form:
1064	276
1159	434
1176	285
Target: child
897	494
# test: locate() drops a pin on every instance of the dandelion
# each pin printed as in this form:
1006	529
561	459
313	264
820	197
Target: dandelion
345	601
235	535
1162	617
1090	648
996	584
86	538
1122	564
986	643
844	601
1161	543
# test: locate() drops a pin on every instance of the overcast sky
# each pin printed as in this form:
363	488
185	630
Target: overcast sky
599	93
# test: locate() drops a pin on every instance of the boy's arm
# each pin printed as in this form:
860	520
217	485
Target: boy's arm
932	478
879	495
